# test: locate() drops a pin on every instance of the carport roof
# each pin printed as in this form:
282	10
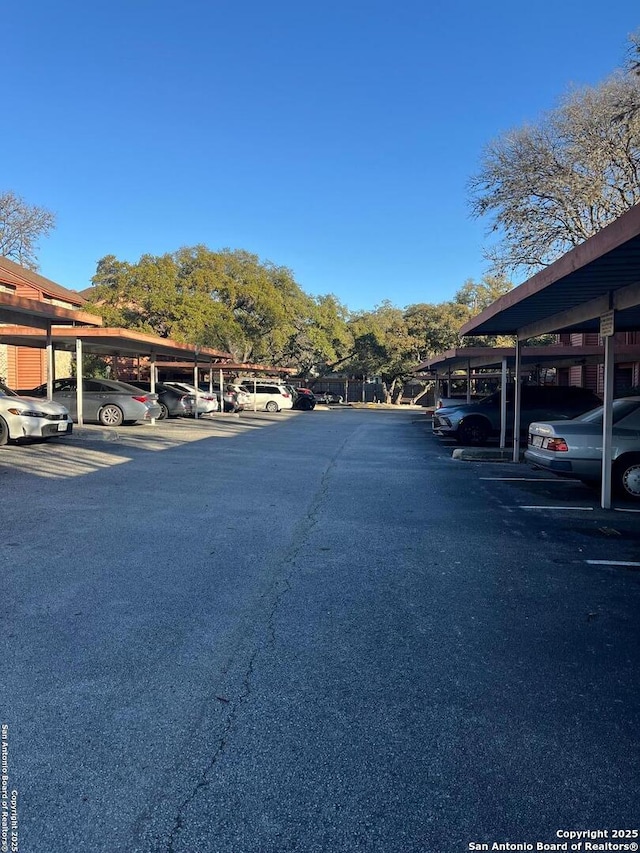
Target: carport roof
39	314
108	341
571	294
557	355
237	366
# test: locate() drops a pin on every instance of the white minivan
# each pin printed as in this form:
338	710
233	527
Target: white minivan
269	396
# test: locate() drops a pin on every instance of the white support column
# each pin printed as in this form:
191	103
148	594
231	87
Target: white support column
221	409
79	380
607	423
196	384
255	394
153	375
517	395
503	405
50	364
468	380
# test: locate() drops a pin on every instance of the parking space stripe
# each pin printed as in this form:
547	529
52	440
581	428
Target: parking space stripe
529	480
612	563
625	509
579	508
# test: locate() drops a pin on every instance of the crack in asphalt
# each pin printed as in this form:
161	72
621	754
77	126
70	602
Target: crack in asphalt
278	589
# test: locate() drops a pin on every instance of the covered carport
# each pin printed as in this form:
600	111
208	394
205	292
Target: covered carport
107	342
466	363
40	317
594	287
231	367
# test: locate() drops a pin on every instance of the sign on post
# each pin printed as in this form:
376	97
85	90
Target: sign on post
606	324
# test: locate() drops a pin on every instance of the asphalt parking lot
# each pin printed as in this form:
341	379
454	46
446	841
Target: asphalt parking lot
310	631
532	501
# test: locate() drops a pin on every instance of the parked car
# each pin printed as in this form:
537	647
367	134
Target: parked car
230	398
104	401
475	423
303	398
173	402
574	448
243	400
206	401
329	397
457	400
269	396
24	417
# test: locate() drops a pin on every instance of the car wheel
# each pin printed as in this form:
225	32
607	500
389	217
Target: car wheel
164	412
473	431
4	432
111	416
272	406
626	477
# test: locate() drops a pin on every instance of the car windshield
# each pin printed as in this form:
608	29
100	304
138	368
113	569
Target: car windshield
4	389
621	408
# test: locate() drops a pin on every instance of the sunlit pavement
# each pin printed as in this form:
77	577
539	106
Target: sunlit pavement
311	633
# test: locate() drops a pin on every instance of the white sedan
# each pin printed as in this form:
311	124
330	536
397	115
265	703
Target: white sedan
206	402
573	448
27	417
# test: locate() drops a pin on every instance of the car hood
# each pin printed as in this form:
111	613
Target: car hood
463	407
42	405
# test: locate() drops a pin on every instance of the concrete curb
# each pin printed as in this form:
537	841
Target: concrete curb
97	434
484	454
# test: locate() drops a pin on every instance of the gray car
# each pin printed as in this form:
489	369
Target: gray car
476	423
104	401
573	448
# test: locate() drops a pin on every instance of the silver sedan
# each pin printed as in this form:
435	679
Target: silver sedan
104	401
573	448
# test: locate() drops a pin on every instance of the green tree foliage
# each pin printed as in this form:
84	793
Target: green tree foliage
21	226
226	299
322	338
434	329
382	347
547	187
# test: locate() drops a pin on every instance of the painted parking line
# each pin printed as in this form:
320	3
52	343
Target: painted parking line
612	563
625	509
529	480
574	508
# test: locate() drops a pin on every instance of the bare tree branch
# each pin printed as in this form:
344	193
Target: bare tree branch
21	226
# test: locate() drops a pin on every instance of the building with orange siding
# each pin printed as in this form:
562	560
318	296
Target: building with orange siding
25	367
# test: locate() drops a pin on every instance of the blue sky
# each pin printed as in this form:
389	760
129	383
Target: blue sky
334	138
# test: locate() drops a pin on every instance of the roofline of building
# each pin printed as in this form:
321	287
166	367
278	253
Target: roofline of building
14	273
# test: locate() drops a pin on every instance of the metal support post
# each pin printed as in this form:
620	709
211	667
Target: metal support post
607	422
503	405
50	363
153	376
79	382
517	396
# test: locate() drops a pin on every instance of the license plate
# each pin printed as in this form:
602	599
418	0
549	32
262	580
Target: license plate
536	441
62	426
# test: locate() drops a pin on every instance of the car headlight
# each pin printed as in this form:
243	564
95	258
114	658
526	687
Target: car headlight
27	413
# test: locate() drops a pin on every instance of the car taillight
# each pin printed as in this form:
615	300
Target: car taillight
558	444
140	399
284	394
